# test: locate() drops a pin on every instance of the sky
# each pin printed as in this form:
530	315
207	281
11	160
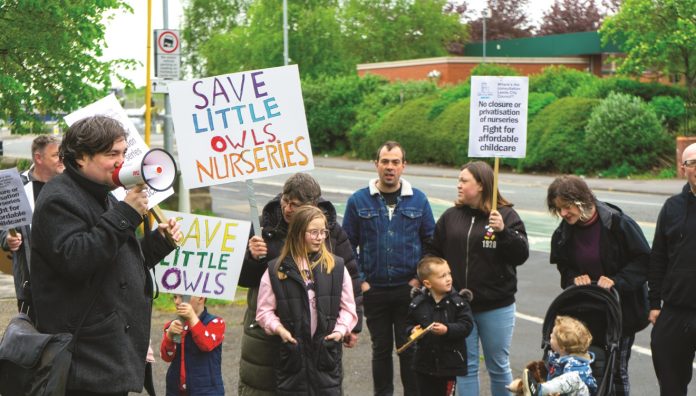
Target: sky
126	33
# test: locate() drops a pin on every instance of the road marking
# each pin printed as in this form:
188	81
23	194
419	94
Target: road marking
540	321
625	201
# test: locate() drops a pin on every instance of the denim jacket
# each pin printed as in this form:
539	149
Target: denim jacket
388	250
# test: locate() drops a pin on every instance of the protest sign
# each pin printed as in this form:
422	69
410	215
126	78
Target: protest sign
240	126
498	117
15	209
209	258
110	107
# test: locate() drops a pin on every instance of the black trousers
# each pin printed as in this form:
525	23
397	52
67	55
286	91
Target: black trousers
435	386
385	315
673	343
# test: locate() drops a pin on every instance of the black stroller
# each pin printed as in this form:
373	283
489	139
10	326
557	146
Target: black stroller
600	310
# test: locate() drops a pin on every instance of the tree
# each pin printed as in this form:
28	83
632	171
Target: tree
507	21
204	19
400	29
328	37
49	58
316	43
569	16
655	35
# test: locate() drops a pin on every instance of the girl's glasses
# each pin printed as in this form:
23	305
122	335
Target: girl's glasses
318	234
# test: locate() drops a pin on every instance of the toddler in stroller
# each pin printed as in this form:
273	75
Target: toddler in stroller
568	363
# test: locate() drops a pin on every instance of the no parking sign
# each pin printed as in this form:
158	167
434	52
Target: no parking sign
167	54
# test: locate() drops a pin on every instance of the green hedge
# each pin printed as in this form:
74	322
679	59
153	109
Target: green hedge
370	113
671	110
624	133
330	106
600	88
556	137
559	80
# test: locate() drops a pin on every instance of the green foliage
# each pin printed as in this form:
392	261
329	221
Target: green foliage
330	106
449	95
50	54
316	42
559	80
493	69
379	31
202	20
623	170
556	137
409	125
450	137
370	112
328	37
537	101
669	109
656	35
600	88
624	134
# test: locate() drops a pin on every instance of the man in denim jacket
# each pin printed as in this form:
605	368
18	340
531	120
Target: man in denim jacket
388	222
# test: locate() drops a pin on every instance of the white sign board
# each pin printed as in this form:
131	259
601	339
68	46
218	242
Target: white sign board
498	117
240	126
209	259
167	54
15	209
110	107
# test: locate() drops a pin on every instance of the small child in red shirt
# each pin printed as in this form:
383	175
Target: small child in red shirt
196	361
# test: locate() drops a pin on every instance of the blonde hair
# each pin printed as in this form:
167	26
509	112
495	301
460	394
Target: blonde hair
296	245
425	266
572	335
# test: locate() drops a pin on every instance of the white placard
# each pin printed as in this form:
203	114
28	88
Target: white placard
15	209
209	260
110	107
240	126
498	117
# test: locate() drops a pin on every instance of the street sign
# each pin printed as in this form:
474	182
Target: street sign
167	54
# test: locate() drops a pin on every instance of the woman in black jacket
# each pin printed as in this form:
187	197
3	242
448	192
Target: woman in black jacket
484	248
597	242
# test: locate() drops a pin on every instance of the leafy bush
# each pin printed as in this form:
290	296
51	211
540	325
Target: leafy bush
330	105
409	125
559	80
492	69
623	131
448	96
600	88
669	109
375	105
556	136
450	137
537	101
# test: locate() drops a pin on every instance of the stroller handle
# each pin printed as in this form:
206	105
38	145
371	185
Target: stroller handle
594	285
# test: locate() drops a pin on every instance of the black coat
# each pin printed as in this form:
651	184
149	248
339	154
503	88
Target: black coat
259	350
672	275
445	355
485	263
624	253
82	236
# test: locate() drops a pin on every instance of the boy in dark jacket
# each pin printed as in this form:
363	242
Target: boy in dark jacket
196	355
441	353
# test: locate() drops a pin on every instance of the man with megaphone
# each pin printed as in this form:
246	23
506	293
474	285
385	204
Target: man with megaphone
89	271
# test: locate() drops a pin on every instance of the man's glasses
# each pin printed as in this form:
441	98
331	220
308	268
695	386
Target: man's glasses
689	163
318	234
292	204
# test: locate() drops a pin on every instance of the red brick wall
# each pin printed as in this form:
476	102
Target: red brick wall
454	72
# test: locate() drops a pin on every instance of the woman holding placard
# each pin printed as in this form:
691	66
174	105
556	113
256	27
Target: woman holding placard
484	245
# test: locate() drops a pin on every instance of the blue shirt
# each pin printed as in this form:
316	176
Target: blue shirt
564	364
388	245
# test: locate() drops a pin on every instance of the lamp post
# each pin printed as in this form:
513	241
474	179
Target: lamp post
486	13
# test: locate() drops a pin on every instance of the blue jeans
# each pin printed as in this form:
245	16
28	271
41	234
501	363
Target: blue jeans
494	328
